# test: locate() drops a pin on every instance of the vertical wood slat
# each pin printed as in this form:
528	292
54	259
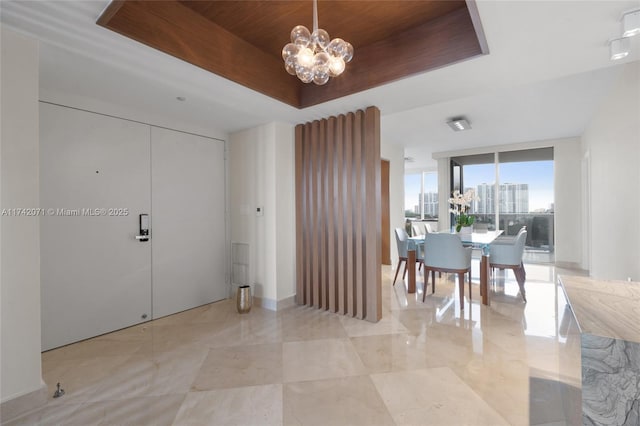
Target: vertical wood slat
315	255
373	191
308	215
300	219
358	195
339	213
348	207
330	212
339	184
322	209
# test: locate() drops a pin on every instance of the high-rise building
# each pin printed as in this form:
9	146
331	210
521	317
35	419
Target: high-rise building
514	198
431	204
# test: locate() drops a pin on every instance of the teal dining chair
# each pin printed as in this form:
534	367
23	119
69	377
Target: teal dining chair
403	243
508	255
445	253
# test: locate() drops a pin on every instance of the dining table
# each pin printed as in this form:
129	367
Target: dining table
479	239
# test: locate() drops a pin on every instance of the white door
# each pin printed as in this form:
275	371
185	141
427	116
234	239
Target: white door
188	223
94	184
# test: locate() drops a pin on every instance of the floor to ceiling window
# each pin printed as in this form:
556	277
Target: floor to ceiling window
514	189
421	196
412	193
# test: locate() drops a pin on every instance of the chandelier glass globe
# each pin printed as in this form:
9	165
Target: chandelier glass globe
313	56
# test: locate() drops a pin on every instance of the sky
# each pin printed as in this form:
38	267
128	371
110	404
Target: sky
538	174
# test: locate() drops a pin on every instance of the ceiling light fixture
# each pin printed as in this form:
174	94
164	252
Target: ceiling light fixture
459	124
619	48
631	23
314	56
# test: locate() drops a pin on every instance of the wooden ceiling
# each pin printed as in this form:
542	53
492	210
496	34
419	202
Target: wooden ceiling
242	40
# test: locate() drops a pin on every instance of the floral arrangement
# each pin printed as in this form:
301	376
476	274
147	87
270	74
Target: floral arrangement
460	204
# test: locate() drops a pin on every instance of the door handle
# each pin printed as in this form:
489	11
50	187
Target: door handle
143	234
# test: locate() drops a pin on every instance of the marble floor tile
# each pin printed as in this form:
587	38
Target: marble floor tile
387	325
320	359
163	338
502	382
236	366
159	373
218	312
305	323
419	364
120	343
51	414
259	326
435	396
252	405
157	411
80	378
344	401
392	352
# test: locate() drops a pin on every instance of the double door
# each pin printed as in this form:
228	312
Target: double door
103	182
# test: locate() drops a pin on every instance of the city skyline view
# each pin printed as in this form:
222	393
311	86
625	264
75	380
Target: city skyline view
537	175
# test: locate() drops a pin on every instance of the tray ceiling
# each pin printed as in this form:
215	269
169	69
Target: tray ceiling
242	40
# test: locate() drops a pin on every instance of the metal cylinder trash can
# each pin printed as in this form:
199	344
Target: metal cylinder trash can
243	299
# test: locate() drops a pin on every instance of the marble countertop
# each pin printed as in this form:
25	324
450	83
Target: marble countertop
605	308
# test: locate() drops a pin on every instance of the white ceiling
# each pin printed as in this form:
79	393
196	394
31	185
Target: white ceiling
545	75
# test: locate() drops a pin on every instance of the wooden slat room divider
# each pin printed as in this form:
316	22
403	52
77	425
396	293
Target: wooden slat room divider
338	214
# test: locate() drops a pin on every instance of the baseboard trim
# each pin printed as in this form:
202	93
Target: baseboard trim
16	407
570	265
274	305
287	302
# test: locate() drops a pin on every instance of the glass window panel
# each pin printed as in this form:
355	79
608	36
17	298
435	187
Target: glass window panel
481	178
412	195
430	205
526	199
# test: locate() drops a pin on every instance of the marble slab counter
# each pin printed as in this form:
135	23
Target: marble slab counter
608	316
605	308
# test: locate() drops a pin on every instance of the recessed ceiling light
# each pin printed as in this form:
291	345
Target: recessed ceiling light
631	23
459	123
619	48
181	98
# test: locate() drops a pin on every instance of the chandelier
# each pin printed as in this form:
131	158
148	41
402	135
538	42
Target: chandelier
314	56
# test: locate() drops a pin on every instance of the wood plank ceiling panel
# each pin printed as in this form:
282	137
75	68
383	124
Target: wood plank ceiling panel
242	40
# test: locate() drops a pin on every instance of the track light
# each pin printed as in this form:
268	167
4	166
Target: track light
631	23
458	124
619	48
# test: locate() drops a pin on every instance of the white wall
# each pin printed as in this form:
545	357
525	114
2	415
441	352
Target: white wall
612	141
261	174
20	240
285	210
567	201
395	156
128	113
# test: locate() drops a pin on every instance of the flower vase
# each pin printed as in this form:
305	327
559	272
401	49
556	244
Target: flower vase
466	230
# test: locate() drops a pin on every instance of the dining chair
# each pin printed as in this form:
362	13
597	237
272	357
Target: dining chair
402	241
509	239
416	229
505	255
445	253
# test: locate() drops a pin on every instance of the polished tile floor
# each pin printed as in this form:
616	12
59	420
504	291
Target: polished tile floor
422	364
